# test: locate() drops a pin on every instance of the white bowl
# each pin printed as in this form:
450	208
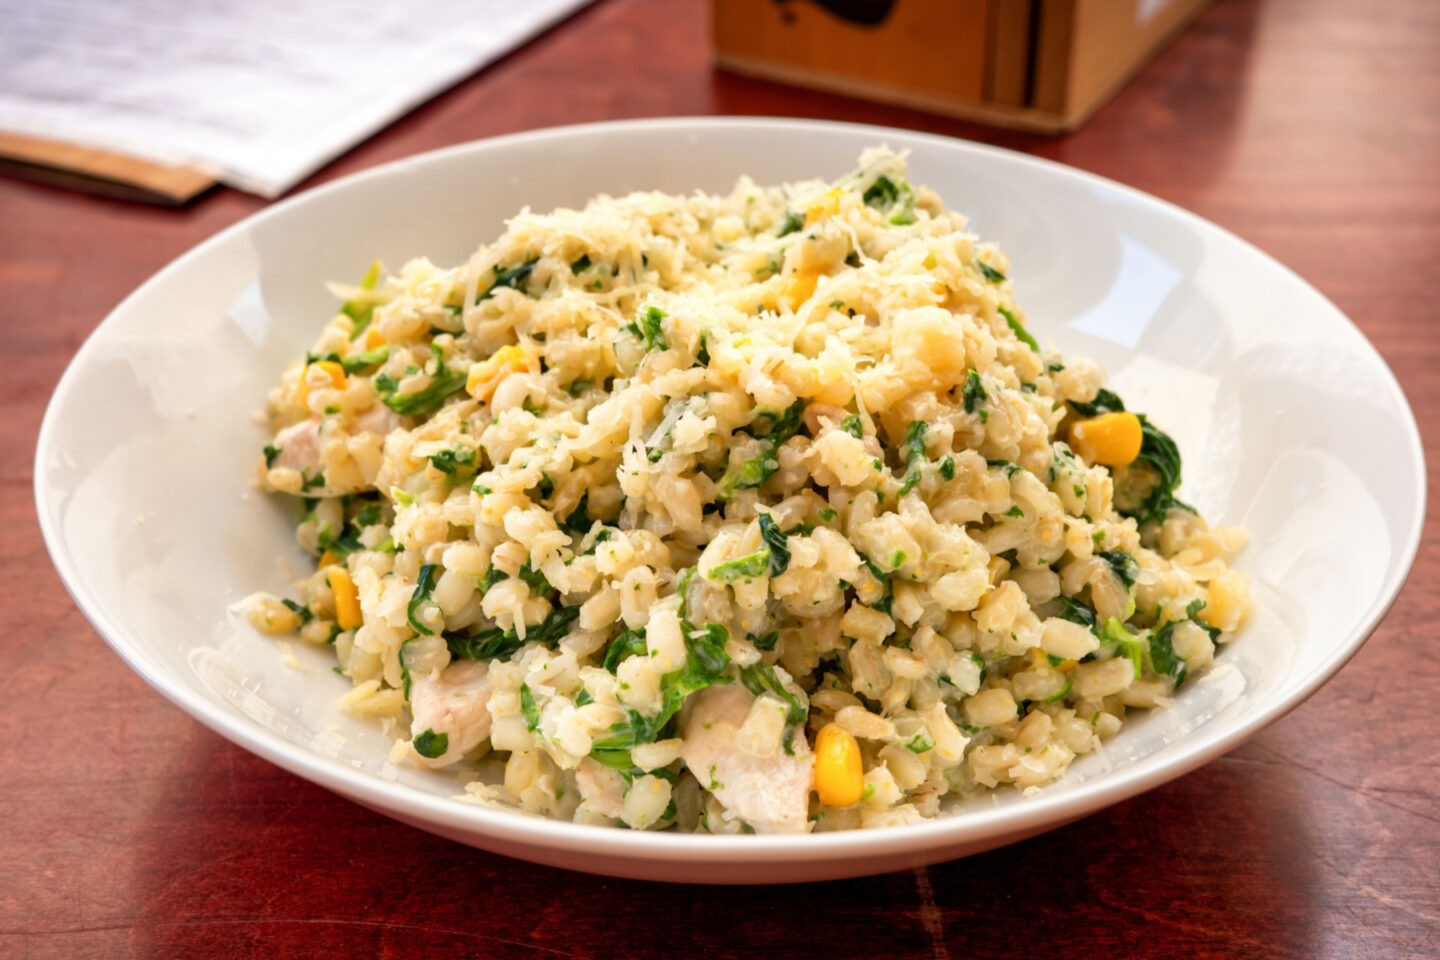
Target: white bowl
1289	421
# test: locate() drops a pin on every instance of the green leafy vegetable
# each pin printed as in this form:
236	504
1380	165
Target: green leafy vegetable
647	327
1019	329
405	668
755	471
424	583
748	567
920	743
1076	612
444	383
776	540
887	599
364	361
1105	402
991	274
539	586
431	745
495	643
360	312
897	200
303	612
760	678
578	387
765	641
852	426
1130	646
947	468
1123	564
792	222
913	450
528	708
630	643
705	664
456	463
974	392
271	452
581	265
514	278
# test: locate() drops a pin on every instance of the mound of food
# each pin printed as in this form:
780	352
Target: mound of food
750	513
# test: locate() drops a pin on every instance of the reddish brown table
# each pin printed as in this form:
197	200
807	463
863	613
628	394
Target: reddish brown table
1310	127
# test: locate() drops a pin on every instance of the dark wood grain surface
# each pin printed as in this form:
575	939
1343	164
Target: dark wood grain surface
1310	127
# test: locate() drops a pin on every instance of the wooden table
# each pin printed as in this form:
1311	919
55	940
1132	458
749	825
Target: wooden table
1310	127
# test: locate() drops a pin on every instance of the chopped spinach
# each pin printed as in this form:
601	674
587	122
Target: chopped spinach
1019	329
431	745
1105	402
775	539
990	273
748	567
974	392
755	471
647	328
765	641
271	452
495	643
529	709
792	222
364	361
303	612
705	664
913	450
1123	564
513	277
1075	611
424	584
360	312
456	463
630	643
852	426
761	678
443	384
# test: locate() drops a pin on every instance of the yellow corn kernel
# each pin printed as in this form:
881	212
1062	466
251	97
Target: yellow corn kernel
800	288
347	598
1111	439
373	338
826	206
839	778
331	368
328	559
486	375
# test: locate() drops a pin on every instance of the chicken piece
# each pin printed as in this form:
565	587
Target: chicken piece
453	704
300	445
771	794
602	791
378	419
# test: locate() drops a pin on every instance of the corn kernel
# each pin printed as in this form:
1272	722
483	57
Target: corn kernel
331	368
347	599
839	777
1111	439
827	206
800	288
486	375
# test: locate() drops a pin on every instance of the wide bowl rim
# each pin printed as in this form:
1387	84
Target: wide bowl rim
975	825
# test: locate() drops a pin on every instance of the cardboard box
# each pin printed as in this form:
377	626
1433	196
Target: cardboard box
1042	65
